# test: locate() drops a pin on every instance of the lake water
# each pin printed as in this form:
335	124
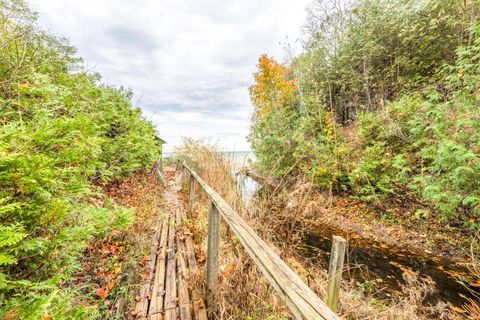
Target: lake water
246	185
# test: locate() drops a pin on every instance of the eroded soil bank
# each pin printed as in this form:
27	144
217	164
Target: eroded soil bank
383	245
380	268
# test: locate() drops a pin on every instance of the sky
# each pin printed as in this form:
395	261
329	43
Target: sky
188	62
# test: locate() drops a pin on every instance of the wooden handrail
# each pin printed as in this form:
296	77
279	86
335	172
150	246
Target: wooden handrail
300	299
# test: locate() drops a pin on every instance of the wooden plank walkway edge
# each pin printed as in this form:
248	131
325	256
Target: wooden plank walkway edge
165	294
300	299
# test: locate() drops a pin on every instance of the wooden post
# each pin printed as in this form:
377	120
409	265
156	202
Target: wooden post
213	247
335	269
160	171
191	195
184	177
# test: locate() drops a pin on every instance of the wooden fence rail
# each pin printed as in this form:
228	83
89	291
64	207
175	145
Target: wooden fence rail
300	299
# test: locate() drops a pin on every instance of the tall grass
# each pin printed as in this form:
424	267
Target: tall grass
243	293
473	307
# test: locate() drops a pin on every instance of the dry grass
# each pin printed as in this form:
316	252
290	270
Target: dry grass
244	294
475	254
473	307
357	302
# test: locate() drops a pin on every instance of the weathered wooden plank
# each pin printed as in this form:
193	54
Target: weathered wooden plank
183	295
141	307
199	309
192	262
300	299
156	301
335	270
184	178
119	307
213	248
191	196
178	218
170	303
159	168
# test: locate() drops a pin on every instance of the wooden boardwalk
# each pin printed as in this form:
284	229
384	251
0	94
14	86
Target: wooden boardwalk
166	294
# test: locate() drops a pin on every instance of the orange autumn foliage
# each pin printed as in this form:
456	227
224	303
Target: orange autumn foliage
273	88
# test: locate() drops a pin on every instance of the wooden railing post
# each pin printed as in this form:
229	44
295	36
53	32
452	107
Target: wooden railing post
335	269
213	247
191	195
184	177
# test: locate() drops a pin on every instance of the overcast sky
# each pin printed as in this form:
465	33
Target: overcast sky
189	62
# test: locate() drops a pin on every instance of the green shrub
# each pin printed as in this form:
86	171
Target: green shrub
437	139
61	131
272	141
387	105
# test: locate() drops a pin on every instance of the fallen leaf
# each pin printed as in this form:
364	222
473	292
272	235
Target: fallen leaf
101	293
457	309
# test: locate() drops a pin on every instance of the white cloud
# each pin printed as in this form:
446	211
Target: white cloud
190	62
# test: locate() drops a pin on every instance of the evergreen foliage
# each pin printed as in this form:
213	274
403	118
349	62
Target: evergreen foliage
386	105
61	131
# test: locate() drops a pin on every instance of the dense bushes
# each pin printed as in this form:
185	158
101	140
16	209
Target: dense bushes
362	53
61	131
430	143
386	105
